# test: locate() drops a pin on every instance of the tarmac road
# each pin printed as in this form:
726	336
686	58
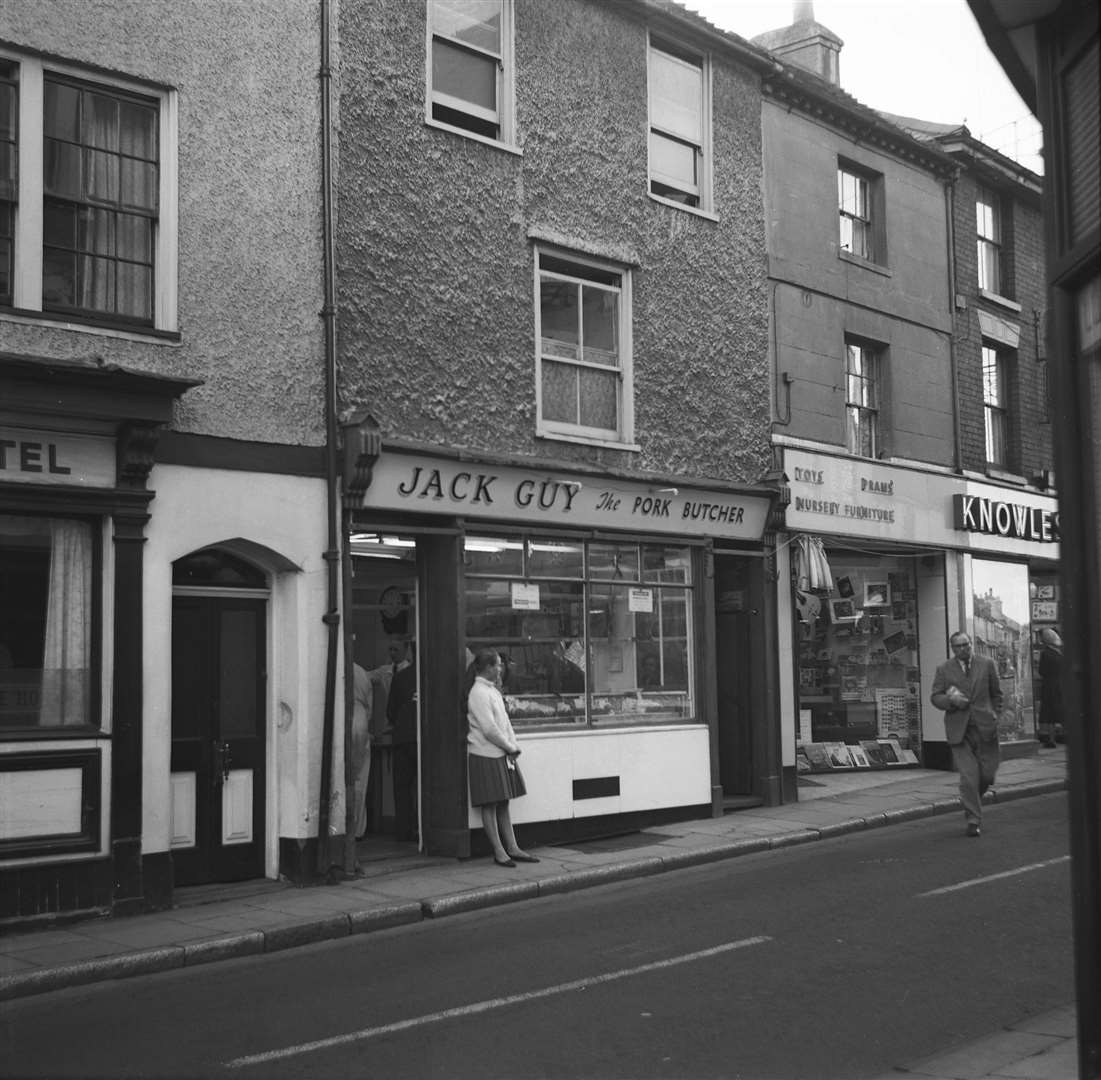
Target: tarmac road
832	960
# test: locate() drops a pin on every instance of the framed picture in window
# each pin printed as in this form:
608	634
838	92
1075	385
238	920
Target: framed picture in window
877	594
843	611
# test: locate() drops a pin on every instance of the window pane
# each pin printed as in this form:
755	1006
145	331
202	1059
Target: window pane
639	660
135	290
600	323
96	284
673	160
8	99
137	130
134	237
618	562
97	231
59	224
556	558
493	555
100	126
489	613
138	185
676	97
102	176
559	321
464	75
45	622
559	392
598	399
59	277
989	258
477	22
668	565
62	169
61	119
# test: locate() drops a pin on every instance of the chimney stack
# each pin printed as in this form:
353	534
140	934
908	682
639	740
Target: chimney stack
806	43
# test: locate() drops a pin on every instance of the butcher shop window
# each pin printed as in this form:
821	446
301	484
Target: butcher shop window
592	633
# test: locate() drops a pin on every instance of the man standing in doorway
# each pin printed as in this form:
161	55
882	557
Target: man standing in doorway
967	689
401	714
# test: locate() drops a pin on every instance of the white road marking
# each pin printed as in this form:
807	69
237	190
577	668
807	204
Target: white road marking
486	1006
995	877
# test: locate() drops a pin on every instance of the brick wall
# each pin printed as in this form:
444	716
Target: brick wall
1030	437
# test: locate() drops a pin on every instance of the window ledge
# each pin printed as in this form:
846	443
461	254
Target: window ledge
1001	301
696	210
587	440
996	473
866	264
36	318
497	144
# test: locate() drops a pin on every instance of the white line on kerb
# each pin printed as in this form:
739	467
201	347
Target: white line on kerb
486	1006
995	877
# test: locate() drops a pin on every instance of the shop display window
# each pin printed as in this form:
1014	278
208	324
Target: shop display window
47	574
859	680
590	632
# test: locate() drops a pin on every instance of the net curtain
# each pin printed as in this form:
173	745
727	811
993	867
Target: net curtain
66	652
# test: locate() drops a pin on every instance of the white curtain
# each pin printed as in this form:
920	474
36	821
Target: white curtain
67	655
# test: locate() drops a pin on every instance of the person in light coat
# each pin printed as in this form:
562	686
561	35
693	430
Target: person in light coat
492	750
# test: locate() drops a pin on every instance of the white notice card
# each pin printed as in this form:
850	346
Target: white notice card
525	597
640	600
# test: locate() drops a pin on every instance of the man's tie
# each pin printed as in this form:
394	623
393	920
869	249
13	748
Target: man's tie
966	668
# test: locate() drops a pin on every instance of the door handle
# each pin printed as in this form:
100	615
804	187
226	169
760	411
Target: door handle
221	760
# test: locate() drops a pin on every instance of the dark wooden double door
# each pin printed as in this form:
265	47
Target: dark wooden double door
219	673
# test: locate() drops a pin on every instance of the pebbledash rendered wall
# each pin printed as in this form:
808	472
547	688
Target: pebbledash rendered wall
243	450
249	263
436	236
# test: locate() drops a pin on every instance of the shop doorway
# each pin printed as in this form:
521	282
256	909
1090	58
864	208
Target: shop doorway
219	721
733	620
385	648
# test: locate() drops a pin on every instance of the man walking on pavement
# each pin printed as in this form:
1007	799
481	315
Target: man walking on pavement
967	689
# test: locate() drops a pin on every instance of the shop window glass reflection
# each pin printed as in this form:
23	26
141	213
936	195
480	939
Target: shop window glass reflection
46	576
1002	632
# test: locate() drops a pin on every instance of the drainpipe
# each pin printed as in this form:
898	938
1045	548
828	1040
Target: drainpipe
331	618
950	215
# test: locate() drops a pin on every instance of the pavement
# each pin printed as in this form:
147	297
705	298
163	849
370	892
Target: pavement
210	925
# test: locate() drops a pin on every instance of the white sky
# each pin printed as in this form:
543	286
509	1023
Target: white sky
920	58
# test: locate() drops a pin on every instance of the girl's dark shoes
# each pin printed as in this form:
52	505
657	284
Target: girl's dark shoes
503	862
522	856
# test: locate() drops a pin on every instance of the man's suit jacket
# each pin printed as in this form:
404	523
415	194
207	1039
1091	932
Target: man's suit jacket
401	708
983	691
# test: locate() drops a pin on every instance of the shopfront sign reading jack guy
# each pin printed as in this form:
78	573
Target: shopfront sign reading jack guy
435	486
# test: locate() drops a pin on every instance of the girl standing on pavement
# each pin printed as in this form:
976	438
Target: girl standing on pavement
492	751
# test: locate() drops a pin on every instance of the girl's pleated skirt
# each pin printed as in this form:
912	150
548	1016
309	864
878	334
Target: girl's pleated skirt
494	779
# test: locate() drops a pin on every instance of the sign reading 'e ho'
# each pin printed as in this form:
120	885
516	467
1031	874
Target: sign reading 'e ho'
974	513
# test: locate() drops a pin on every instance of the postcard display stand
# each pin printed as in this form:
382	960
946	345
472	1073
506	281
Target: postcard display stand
859	682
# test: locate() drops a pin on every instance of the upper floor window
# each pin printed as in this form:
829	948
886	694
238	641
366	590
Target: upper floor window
583	380
862	377
470	49
859	201
679	126
988	220
87	225
995	406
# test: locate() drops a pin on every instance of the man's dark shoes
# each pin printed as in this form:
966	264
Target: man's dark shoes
974	830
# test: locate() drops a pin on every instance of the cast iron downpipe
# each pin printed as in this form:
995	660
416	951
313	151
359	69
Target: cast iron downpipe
331	618
953	363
